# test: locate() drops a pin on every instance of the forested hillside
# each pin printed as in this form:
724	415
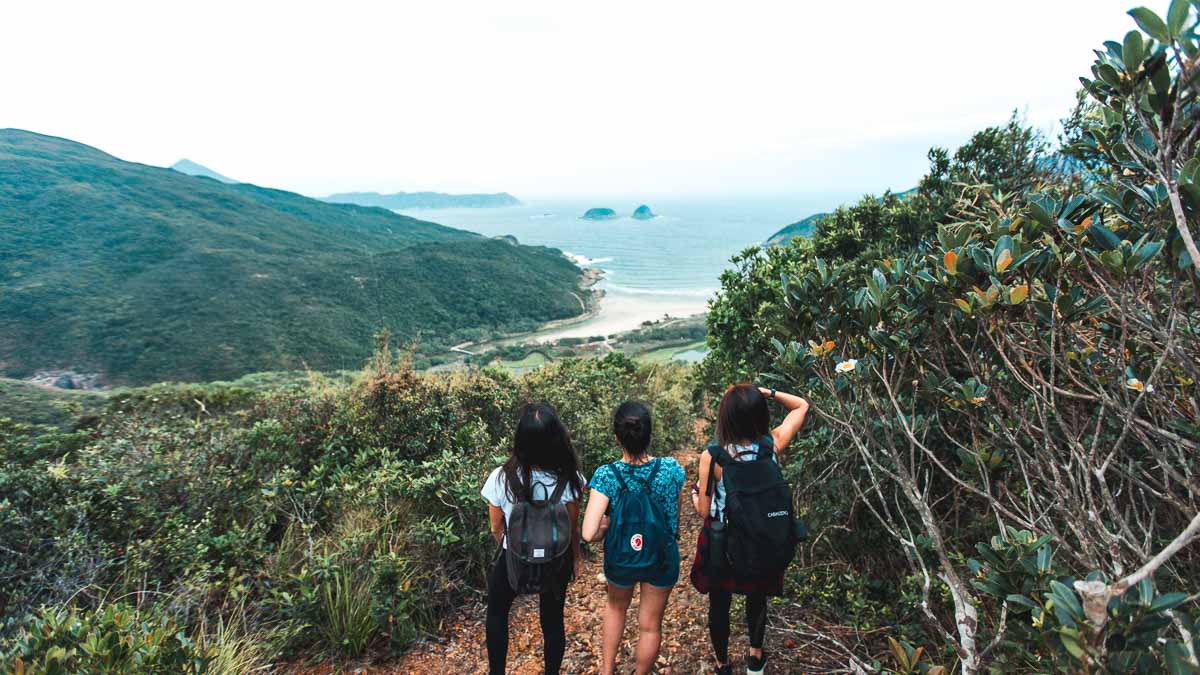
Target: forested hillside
1002	456
145	274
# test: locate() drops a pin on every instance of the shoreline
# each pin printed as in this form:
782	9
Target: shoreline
609	314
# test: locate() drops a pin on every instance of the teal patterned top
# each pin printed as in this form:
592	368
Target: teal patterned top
665	489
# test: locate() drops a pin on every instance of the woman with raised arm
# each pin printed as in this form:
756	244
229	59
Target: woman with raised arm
745	446
534	497
634	505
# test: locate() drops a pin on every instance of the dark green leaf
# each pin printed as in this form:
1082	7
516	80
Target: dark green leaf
1145	592
1149	22
1168	601
1023	602
1177	17
1067	596
1105	238
1108	74
1071	642
1132	52
1176	657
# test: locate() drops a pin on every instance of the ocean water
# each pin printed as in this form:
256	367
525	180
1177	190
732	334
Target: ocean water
669	265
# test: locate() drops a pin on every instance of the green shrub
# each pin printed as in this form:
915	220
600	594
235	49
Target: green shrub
323	517
1003	370
116	638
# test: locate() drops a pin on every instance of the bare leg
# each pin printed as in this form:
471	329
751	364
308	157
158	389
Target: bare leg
650	616
614	626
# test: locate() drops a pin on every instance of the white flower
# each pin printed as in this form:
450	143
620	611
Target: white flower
1137	385
847	366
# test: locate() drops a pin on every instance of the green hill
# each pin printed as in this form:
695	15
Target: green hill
806	227
143	274
803	228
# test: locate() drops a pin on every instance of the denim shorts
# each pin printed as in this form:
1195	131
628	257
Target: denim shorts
664	577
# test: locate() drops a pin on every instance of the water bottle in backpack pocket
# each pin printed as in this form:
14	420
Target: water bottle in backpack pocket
717	561
760	530
635	546
538	534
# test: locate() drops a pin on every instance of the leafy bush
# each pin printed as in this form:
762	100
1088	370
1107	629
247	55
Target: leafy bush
114	639
332	517
1004	370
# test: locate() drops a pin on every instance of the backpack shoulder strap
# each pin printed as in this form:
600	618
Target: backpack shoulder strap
653	472
617	474
766	448
719	457
719	454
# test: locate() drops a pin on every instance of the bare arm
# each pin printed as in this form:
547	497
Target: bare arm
783	434
703	502
573	512
496	517
593	519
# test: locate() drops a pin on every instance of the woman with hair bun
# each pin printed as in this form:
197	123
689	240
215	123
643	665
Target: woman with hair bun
634	505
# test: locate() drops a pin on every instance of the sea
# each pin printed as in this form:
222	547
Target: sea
668	266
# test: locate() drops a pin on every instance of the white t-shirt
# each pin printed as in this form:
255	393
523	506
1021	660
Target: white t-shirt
542	484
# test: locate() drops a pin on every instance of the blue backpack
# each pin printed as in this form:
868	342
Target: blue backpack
638	534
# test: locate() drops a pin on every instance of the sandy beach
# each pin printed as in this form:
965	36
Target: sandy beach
619	311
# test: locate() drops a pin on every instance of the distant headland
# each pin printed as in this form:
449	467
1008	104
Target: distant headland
193	169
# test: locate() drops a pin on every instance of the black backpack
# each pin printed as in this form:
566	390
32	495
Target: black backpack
539	536
760	526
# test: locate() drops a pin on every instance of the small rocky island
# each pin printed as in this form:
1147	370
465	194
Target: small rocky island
643	212
599	214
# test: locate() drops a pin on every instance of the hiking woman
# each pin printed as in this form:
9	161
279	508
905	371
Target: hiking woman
641	495
541	474
744	434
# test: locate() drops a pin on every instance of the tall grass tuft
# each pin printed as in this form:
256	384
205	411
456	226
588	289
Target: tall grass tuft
347	624
233	646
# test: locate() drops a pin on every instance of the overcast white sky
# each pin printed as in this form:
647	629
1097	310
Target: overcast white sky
551	98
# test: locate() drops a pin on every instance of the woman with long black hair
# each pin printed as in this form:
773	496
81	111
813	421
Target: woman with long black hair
543	463
744	434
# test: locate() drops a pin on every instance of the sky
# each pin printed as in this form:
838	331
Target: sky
547	99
